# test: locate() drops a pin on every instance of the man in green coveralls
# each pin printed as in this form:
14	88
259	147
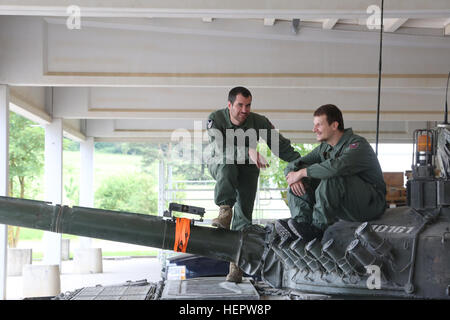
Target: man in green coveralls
340	179
235	163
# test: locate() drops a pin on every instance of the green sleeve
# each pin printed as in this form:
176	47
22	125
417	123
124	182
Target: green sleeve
284	149
303	162
355	158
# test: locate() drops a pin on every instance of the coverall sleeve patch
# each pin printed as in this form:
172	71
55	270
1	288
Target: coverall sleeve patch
354	145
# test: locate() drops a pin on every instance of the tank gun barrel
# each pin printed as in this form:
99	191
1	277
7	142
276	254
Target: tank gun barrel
132	228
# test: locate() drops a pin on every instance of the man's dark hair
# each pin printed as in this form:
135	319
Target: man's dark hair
333	114
238	90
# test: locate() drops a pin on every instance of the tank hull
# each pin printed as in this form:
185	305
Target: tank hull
418	269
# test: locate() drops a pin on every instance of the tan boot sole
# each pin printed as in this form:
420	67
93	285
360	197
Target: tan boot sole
219	225
234	278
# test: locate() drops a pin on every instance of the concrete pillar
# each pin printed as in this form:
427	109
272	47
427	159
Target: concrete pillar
53	186
65	249
87	181
4	165
161	191
87	261
17	259
41	281
169	195
161	202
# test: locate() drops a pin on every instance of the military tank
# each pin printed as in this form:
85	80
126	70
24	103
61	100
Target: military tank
404	254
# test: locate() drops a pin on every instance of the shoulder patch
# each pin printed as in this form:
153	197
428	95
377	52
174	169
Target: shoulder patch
210	123
354	145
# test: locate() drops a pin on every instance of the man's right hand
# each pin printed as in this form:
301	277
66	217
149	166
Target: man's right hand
298	188
257	159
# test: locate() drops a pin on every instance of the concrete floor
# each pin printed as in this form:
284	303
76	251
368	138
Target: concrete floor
115	271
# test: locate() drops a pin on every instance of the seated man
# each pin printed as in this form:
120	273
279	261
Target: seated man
340	179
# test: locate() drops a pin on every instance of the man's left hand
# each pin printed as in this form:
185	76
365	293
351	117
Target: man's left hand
298	188
295	176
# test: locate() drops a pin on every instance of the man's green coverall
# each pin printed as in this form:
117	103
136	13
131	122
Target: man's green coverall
344	182
236	180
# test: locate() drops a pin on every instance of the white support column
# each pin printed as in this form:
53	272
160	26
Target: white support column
169	196
4	164
87	181
161	185
161	204
53	186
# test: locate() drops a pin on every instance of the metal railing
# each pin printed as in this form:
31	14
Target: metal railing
266	204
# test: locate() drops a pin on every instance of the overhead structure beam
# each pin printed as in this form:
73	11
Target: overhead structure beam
269	21
391	25
280	103
295	130
307	9
152	53
329	24
447	29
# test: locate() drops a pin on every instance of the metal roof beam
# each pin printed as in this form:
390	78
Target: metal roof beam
329	23
391	25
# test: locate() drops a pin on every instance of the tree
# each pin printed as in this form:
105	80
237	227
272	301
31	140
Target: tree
26	161
152	152
135	192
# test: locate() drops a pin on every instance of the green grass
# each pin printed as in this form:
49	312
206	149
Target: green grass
27	234
30	234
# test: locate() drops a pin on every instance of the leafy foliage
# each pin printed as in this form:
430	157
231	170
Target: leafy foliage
26	162
128	192
26	153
